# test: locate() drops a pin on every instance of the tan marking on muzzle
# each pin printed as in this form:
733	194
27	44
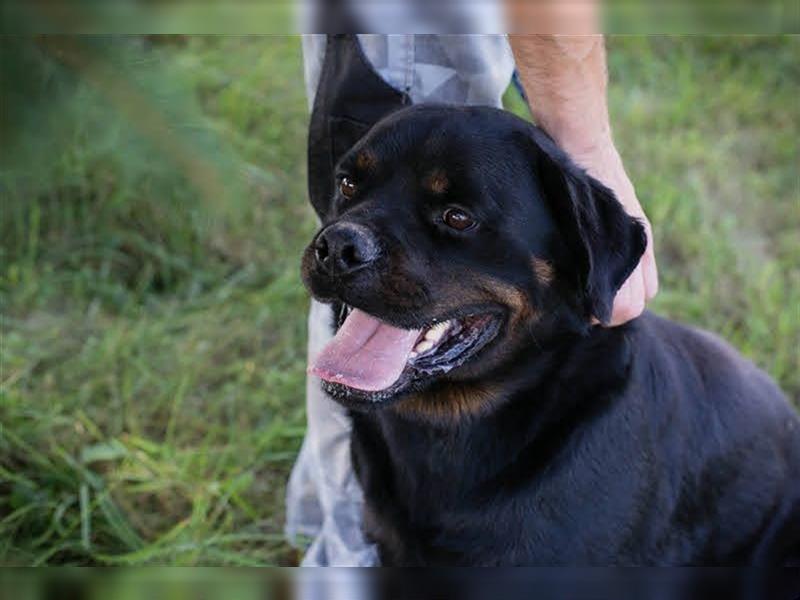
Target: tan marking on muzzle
450	403
515	299
543	270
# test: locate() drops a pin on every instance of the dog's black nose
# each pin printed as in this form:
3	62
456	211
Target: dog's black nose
345	247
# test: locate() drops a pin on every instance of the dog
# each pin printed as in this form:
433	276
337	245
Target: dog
469	260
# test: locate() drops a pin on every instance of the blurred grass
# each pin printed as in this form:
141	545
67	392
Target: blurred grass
153	323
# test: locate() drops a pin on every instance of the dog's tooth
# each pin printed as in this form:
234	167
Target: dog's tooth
423	346
433	335
413	354
436	332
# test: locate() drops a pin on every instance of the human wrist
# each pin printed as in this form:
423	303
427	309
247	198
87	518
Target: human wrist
580	132
601	159
594	150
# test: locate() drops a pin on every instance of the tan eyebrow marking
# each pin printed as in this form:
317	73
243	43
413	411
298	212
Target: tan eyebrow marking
365	160
543	270
436	182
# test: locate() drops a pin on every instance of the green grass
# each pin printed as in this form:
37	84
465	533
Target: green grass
153	322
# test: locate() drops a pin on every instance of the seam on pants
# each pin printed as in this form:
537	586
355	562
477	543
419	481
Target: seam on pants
409	67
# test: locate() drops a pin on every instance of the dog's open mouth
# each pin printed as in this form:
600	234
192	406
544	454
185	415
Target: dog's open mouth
378	359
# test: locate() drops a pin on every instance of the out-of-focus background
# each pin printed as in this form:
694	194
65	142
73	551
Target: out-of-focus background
153	321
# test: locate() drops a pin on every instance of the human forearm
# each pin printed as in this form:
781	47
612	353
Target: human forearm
566	80
565	77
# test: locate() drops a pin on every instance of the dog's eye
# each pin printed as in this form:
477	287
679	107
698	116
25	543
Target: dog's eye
457	219
347	187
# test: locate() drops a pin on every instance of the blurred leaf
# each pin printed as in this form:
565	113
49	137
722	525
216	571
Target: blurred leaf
112	450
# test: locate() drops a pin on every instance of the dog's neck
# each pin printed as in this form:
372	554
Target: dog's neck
565	366
479	431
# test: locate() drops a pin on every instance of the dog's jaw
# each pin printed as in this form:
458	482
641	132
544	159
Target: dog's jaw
357	375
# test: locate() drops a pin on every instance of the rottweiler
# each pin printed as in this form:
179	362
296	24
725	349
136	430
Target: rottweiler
469	260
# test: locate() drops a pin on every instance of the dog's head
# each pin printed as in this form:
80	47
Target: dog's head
458	238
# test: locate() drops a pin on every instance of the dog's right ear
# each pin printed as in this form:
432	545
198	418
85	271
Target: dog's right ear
604	240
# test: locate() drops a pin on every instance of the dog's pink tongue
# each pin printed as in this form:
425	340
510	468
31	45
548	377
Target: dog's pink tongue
366	354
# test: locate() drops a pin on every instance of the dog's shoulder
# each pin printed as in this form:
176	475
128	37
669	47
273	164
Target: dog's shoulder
712	376
730	432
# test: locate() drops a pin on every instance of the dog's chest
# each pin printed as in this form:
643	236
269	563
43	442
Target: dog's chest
534	524
467	498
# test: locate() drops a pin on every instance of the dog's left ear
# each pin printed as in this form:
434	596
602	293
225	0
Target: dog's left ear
603	238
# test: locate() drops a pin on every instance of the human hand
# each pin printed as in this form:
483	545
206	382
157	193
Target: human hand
603	162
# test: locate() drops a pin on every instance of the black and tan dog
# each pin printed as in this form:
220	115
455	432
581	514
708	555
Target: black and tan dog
493	424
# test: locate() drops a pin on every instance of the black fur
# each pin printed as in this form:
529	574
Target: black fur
564	443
